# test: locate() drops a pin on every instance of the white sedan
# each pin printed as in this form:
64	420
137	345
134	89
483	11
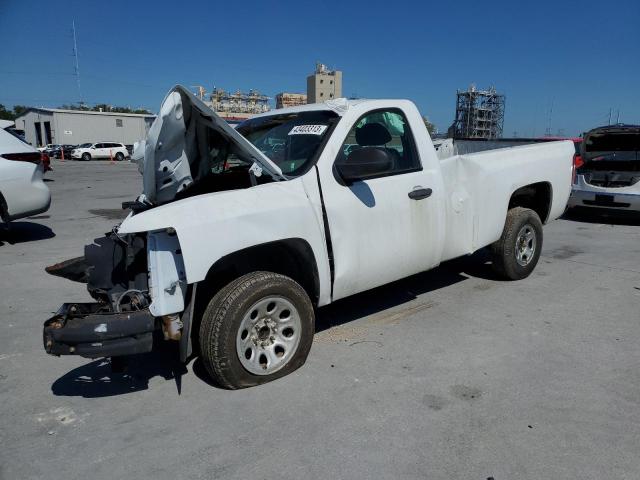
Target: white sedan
22	191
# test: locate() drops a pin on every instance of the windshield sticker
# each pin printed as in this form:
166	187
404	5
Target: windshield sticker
308	130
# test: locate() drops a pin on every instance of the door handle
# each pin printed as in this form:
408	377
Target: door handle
420	193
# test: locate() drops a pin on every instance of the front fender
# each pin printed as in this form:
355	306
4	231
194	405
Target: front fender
214	225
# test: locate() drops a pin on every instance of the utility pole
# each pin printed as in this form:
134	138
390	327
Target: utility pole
75	54
547	133
618	117
609	116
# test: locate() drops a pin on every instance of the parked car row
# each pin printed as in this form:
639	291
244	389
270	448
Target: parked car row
88	151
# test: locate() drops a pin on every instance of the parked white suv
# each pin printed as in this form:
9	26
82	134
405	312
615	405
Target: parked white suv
87	151
47	147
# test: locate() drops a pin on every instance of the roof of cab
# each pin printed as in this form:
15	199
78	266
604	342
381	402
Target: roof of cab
338	105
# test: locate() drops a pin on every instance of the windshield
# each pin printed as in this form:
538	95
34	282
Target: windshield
289	140
86	145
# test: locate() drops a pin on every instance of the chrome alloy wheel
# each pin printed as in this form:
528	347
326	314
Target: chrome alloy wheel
269	335
525	245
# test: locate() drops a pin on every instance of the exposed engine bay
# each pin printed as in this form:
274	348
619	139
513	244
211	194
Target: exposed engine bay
139	285
114	269
138	280
190	151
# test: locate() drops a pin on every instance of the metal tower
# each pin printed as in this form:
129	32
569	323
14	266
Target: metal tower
479	114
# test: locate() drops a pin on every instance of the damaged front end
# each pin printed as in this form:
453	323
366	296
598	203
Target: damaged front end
123	274
93	330
136	272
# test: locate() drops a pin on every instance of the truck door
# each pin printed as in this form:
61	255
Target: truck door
383	222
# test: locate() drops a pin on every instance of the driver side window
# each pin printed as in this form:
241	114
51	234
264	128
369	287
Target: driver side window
379	144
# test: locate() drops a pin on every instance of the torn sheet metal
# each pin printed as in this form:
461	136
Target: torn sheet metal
176	151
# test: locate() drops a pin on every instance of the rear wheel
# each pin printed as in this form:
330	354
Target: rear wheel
86	157
516	253
256	329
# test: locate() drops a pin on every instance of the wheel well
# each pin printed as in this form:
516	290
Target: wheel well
292	257
4	209
536	196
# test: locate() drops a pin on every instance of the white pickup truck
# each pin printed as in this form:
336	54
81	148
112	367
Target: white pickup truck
240	235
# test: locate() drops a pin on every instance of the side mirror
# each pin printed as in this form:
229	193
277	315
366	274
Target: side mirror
363	163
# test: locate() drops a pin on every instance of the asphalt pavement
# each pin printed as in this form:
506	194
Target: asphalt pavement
450	374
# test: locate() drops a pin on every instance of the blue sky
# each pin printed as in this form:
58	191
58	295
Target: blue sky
582	57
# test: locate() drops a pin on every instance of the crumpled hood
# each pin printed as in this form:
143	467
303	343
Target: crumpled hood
177	151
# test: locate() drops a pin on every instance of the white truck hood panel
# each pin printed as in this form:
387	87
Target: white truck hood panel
172	157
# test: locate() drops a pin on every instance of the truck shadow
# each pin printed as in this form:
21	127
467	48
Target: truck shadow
20	232
96	379
405	290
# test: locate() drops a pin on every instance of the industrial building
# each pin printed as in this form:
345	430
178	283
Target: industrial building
238	106
324	84
479	114
44	126
284	99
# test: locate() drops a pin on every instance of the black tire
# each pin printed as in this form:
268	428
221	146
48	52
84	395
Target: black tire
119	156
223	317
86	157
505	251
4	211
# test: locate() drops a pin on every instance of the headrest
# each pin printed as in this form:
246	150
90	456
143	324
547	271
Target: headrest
372	134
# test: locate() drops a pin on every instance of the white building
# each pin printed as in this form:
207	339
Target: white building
53	125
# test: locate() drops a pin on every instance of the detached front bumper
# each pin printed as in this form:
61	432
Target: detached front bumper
89	330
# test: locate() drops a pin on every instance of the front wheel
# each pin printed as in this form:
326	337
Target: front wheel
119	156
256	329
86	157
516	253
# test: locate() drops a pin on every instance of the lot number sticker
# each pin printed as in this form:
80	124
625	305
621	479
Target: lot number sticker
308	130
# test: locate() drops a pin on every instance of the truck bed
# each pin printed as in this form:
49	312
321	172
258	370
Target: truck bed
477	184
449	147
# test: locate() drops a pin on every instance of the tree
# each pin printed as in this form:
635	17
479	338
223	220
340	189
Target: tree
6	114
431	128
105	108
19	110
